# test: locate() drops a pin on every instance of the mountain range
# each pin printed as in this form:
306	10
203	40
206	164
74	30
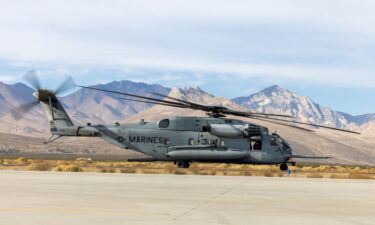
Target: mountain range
99	107
276	99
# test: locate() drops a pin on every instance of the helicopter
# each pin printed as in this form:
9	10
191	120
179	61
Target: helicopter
182	140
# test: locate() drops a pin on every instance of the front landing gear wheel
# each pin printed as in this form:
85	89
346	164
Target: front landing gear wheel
183	164
283	167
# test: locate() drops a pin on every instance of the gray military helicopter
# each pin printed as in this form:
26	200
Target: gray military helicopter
181	140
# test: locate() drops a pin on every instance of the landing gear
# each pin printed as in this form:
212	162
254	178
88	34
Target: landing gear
284	167
183	164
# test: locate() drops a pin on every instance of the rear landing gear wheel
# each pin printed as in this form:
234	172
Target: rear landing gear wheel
283	167
183	164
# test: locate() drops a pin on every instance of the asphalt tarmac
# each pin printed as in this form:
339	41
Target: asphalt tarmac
96	198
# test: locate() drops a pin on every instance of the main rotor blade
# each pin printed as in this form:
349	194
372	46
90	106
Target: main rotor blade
192	104
156	103
66	85
283	124
136	96
311	157
32	79
249	114
20	111
225	111
312	124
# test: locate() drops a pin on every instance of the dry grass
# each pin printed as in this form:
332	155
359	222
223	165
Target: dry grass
335	176
68	168
108	170
356	175
212	169
315	175
128	170
40	166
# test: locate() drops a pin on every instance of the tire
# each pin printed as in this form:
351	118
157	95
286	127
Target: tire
283	167
183	164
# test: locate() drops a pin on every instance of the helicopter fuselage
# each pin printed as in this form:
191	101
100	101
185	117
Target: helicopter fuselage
199	139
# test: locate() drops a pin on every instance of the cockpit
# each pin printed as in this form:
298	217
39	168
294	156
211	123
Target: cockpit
276	140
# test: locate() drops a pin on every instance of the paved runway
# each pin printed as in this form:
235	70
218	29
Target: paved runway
94	198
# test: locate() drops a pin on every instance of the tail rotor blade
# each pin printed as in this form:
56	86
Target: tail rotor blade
32	79
20	111
66	85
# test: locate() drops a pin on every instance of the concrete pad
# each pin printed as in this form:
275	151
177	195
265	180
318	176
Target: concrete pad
95	198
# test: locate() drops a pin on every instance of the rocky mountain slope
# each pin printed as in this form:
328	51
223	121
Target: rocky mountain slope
99	107
13	95
276	99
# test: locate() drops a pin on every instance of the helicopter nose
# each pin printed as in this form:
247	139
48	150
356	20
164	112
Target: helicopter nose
288	155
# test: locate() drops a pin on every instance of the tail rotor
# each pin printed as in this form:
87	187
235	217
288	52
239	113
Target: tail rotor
32	78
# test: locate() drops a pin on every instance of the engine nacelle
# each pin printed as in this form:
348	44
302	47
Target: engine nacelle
234	131
228	131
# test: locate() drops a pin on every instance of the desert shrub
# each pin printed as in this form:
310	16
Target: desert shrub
245	173
150	171
299	166
335	176
279	174
40	166
356	175
68	168
202	172
267	174
169	168
180	171
128	170
108	170
314	175
21	160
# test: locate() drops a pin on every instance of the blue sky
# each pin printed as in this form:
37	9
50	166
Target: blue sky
322	49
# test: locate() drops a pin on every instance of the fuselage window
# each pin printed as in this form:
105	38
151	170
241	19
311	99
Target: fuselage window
191	141
204	141
257	145
164	123
222	143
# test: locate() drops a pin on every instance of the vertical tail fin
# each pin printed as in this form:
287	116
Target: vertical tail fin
53	110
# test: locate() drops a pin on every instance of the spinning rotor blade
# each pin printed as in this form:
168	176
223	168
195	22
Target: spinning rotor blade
250	114
66	85
176	104
310	157
32	79
191	104
310	124
283	124
224	110
20	111
151	102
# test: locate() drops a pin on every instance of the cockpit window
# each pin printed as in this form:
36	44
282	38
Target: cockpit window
273	141
164	123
